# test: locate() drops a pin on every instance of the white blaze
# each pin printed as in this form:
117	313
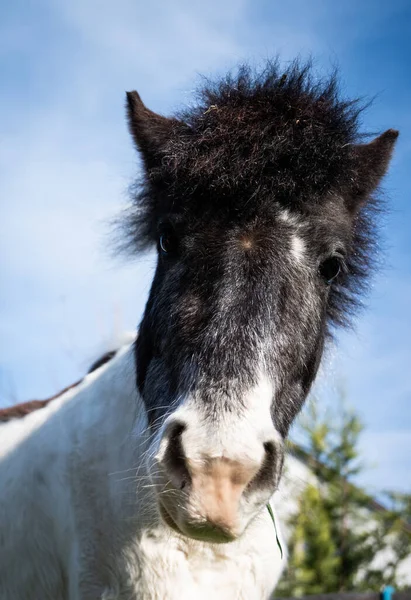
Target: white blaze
297	249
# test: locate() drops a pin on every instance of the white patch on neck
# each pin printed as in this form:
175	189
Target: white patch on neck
78	464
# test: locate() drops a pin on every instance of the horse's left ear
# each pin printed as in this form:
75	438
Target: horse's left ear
371	162
149	130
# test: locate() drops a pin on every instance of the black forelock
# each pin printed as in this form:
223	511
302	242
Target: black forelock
276	131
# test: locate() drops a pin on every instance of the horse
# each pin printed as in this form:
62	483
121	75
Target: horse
154	478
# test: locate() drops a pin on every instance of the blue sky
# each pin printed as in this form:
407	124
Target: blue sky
66	161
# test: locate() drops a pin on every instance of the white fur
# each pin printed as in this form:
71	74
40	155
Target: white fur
238	435
289	218
78	517
298	249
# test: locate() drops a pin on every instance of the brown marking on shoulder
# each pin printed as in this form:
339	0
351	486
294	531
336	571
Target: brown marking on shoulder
21	410
18	411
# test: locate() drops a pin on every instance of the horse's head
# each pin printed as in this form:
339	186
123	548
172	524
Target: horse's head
260	202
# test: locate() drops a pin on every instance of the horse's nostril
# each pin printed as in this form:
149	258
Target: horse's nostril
174	458
175	429
266	475
269	448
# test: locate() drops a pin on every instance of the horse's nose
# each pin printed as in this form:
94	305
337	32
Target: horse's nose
218	484
211	488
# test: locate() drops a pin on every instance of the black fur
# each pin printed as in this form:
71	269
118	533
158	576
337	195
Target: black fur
218	178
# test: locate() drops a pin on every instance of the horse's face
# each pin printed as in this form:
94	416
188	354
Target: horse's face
246	280
227	350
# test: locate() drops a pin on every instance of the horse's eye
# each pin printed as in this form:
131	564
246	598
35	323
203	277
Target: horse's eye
168	242
330	268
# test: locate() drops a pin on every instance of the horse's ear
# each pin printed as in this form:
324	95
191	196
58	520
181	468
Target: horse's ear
370	165
149	130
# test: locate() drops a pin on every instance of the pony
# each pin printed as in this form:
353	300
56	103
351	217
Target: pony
153	478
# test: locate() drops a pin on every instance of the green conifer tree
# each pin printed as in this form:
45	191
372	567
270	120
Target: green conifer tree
334	540
313	559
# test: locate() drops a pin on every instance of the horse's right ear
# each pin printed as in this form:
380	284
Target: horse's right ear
150	131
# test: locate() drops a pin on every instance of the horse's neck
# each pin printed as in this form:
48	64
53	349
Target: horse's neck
89	433
73	478
108	413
